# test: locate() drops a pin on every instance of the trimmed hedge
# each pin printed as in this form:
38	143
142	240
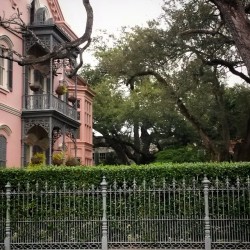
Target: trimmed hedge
181	155
93	174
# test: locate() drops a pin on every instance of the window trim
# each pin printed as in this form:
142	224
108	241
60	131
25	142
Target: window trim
6	79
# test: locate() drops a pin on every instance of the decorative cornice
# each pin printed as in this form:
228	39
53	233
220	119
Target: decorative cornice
59	19
10	110
55	10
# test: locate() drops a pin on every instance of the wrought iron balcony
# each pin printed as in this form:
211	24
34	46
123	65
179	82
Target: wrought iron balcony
41	102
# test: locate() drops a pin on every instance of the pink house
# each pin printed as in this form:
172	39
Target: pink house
34	115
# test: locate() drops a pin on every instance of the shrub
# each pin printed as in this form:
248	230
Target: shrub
180	155
93	174
32	166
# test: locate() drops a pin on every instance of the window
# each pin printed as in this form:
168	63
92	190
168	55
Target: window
3	149
78	103
78	115
6	66
102	156
40	15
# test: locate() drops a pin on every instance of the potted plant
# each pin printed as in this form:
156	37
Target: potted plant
72	99
38	158
57	158
35	87
72	161
61	89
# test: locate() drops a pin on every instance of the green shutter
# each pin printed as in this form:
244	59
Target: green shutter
3	149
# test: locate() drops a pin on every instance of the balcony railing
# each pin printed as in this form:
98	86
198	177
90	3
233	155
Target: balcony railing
40	102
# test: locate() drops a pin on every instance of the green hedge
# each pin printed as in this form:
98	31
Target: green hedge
181	155
93	174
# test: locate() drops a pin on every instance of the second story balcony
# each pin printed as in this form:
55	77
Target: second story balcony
48	102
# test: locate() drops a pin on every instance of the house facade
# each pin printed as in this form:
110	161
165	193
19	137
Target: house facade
41	109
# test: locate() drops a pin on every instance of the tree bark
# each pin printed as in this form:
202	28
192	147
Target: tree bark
242	149
238	24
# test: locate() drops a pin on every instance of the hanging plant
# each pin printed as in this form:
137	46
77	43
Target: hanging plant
72	161
58	158
35	87
72	99
61	89
38	158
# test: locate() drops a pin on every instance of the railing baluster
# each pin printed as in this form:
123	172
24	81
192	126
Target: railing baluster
42	101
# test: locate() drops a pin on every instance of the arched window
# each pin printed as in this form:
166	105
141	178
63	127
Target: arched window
3	151
6	66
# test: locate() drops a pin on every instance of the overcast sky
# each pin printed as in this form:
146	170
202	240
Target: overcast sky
109	15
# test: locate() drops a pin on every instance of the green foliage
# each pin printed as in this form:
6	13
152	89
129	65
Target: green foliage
237	101
61	89
93	175
192	56
57	158
35	166
38	158
69	200
181	154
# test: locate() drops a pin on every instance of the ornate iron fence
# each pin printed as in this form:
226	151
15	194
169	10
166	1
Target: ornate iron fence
187	214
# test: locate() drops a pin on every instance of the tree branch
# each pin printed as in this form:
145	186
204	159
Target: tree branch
182	108
230	66
15	24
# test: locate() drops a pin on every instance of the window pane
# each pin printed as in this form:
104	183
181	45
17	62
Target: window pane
78	103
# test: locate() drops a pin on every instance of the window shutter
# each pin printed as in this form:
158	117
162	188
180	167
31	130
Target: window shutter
10	75
3	149
1	67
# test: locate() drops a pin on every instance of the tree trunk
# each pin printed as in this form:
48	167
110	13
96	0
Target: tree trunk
238	24
242	149
137	140
223	119
119	149
146	157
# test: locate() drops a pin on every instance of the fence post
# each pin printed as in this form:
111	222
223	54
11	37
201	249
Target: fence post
7	224
206	183
104	215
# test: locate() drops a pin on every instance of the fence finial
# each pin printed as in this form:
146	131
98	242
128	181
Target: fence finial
104	182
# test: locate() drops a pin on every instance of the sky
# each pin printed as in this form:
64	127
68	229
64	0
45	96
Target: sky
110	15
